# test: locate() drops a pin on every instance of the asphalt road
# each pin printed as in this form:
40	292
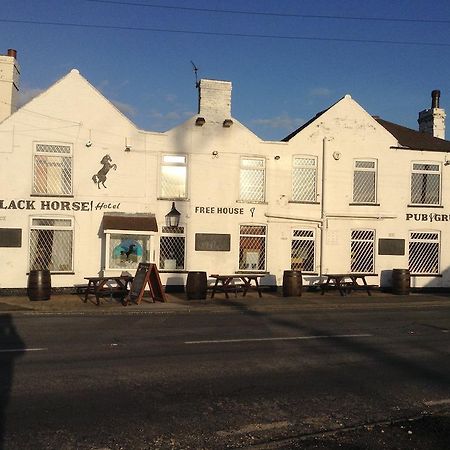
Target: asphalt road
303	379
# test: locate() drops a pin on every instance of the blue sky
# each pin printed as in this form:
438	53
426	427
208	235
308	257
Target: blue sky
292	65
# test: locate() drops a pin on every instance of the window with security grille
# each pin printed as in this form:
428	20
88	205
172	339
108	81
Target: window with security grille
424	252
252	247
304	179
52	169
252	179
364	181
362	251
174	176
303	250
172	247
425	183
51	244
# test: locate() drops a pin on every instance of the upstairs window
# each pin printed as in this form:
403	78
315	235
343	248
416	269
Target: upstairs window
252	179
174	176
304	179
364	181
426	183
52	169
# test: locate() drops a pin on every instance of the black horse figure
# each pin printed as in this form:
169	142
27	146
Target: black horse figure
100	176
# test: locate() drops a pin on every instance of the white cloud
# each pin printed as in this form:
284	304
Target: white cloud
283	122
320	92
27	94
125	108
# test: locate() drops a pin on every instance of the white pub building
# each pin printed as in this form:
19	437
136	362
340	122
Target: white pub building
84	192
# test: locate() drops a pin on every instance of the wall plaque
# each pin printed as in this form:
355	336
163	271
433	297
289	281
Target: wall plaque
10	237
391	247
212	242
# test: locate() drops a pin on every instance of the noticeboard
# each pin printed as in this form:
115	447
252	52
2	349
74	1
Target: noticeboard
391	247
146	275
212	242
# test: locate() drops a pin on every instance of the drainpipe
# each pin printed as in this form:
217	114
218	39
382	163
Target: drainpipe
324	223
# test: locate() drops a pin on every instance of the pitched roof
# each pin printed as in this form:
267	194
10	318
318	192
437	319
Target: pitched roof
417	140
289	137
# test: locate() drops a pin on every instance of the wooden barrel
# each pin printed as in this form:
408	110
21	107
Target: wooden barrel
401	281
196	285
39	285
292	283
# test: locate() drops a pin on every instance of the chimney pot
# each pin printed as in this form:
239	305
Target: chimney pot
435	98
12	52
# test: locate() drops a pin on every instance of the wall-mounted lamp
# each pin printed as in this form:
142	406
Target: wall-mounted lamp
173	217
200	121
227	123
446	161
215	154
276	158
127	146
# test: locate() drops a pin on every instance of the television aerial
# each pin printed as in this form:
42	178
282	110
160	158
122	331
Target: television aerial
195	69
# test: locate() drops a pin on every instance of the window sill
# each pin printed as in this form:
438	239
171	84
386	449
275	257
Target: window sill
53	195
363	204
299	202
434	275
252	202
172	271
424	206
173	199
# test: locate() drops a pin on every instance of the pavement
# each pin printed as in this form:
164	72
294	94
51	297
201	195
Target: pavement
179	303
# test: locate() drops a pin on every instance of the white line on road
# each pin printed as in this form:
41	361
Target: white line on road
445	401
21	350
288	338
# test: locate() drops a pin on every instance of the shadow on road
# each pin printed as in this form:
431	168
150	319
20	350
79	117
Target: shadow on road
11	348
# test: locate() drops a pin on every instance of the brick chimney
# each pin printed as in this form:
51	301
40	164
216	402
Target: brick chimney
9	83
432	120
214	102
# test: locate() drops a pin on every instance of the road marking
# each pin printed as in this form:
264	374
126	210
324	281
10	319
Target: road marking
288	338
445	401
21	350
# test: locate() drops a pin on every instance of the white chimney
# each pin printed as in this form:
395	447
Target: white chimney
432	120
214	101
9	84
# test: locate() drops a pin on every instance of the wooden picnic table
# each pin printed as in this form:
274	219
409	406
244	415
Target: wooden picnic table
225	283
346	281
100	286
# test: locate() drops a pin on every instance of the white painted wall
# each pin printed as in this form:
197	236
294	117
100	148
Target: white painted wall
72	111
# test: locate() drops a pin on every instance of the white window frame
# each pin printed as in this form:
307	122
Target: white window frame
250	236
300	169
422	240
430	172
372	241
60	227
303	238
165	162
171	233
260	190
149	250
373	170
50	154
